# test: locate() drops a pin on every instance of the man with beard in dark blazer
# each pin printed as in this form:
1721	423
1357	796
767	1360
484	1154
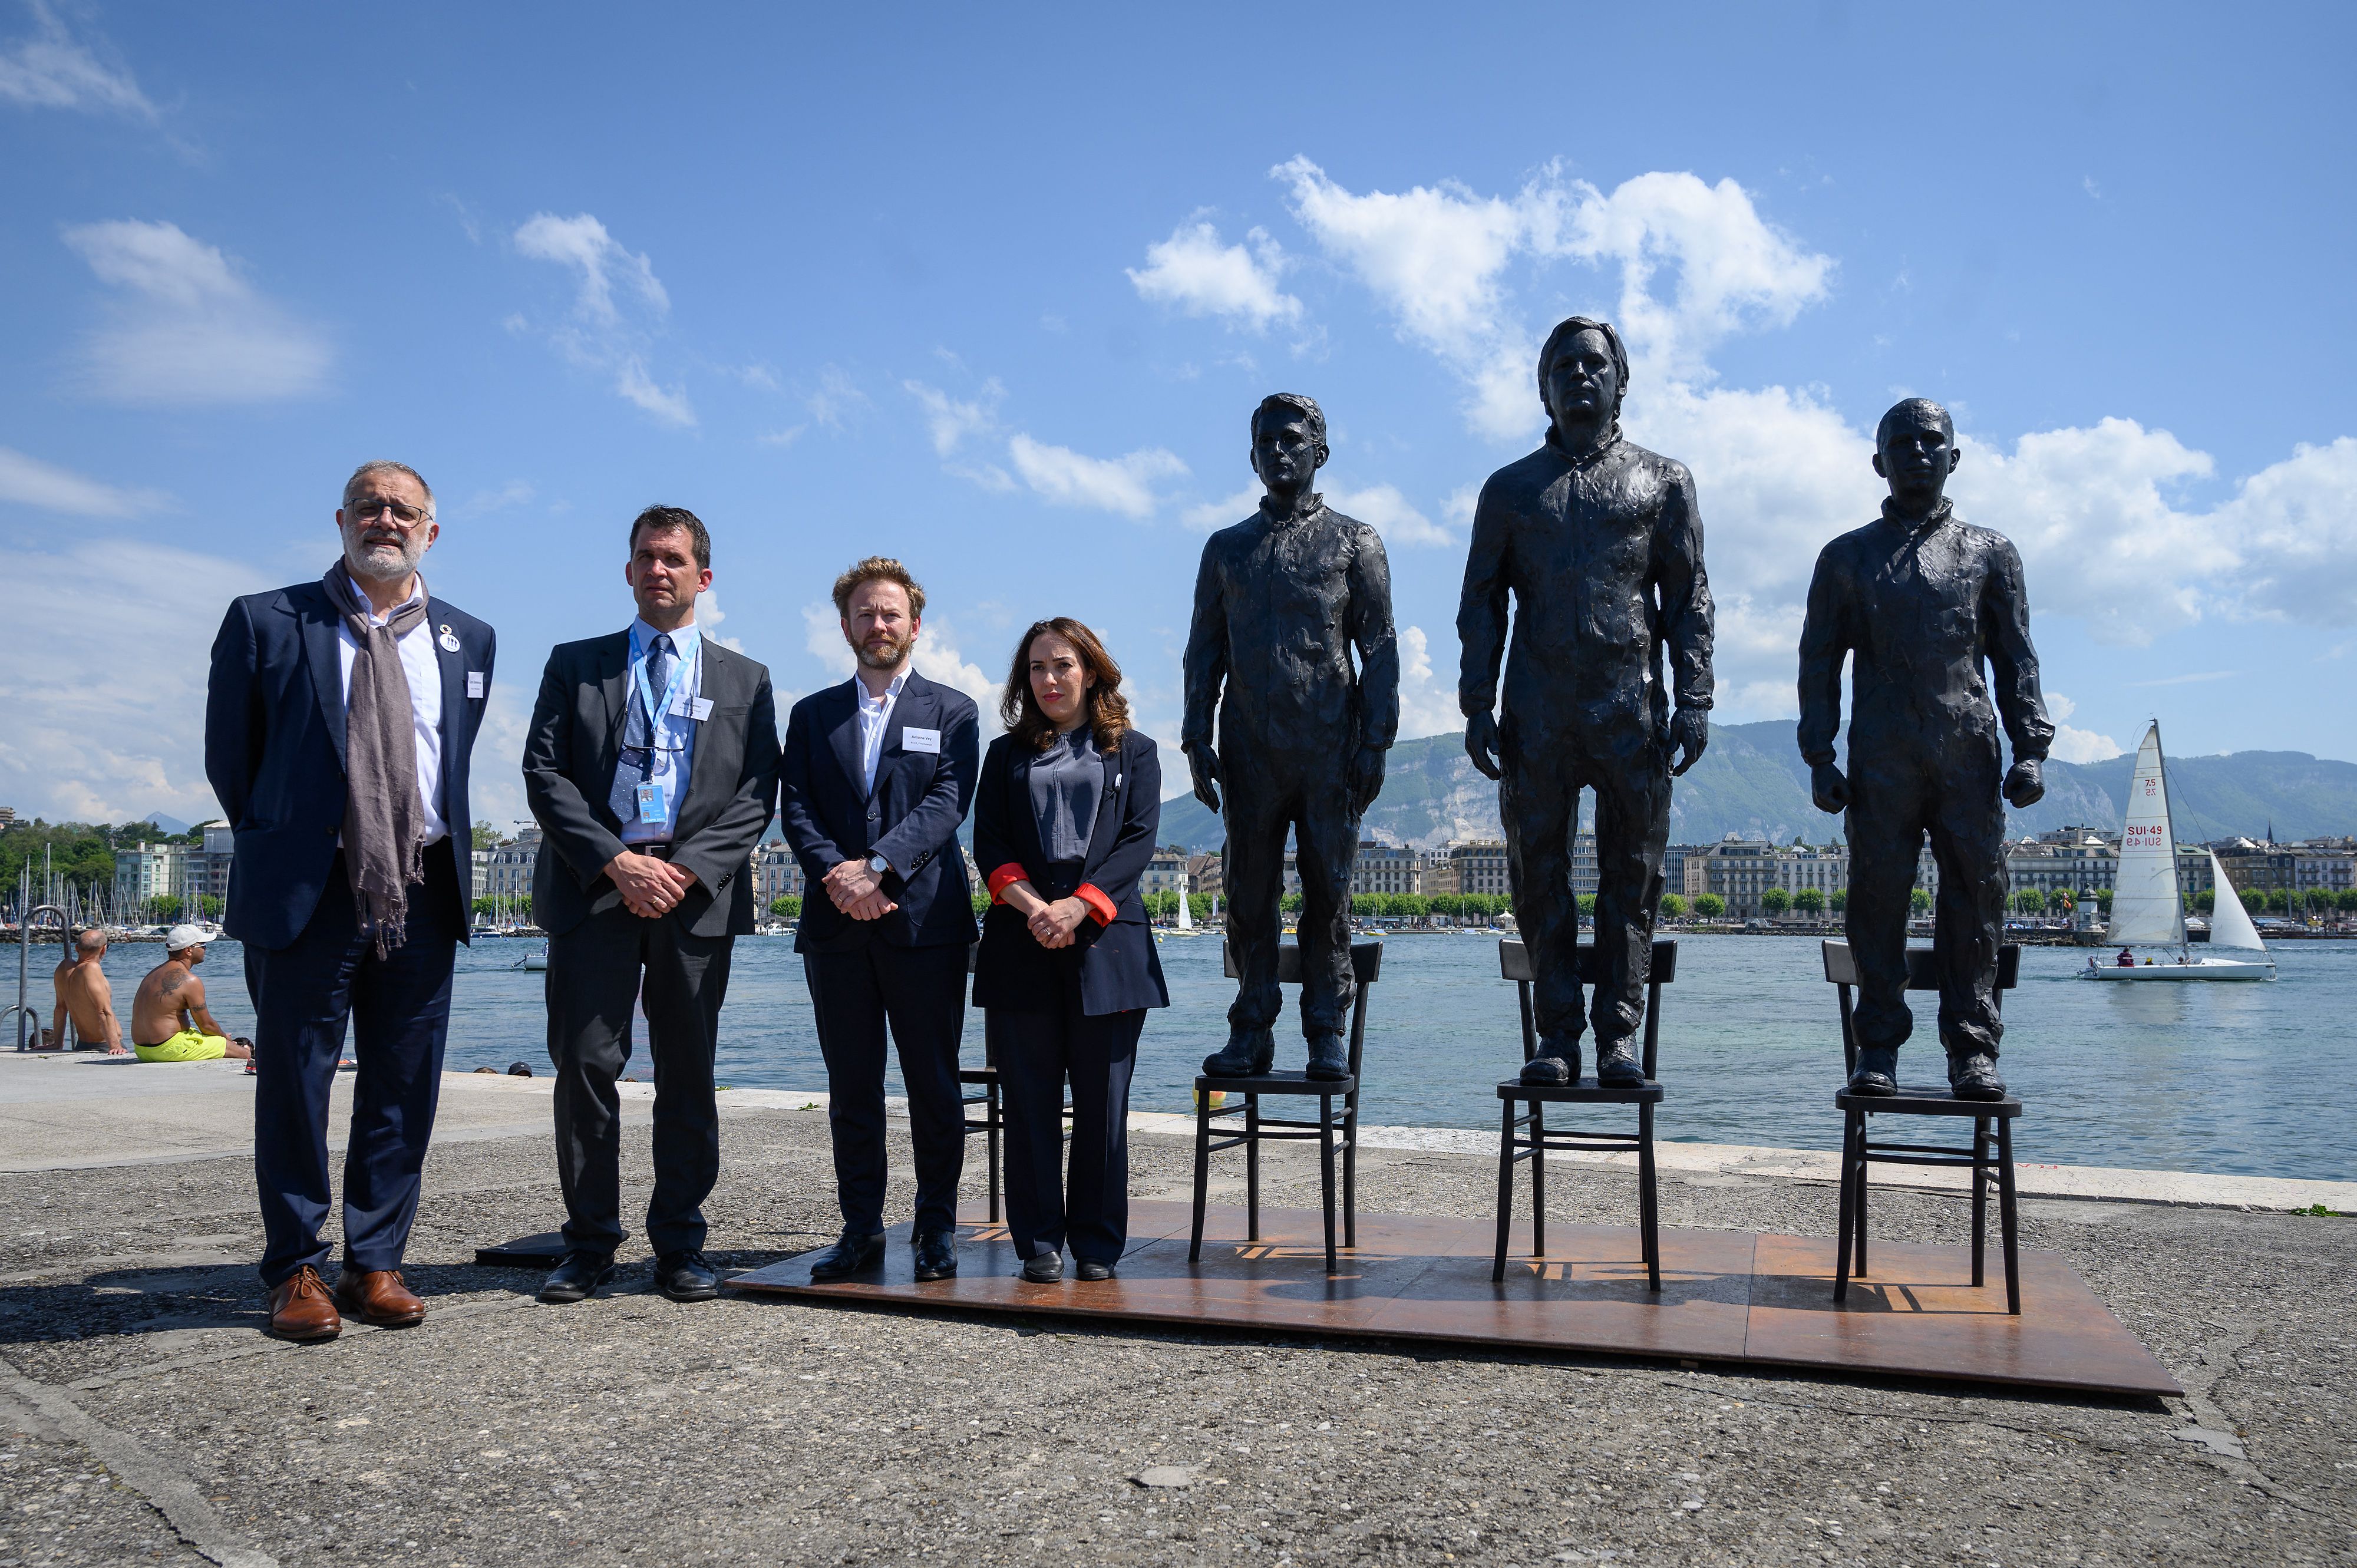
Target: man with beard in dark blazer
651	766
879	772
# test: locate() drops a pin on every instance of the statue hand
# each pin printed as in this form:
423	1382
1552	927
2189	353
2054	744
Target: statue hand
1481	743
1366	779
1689	733
1204	764
1830	788
2025	784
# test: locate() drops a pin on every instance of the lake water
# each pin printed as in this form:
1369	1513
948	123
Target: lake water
2198	1077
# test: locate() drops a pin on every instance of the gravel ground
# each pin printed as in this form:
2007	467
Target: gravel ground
146	1419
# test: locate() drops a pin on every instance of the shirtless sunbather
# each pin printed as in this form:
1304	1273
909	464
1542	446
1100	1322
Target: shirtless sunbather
83	996
170	1021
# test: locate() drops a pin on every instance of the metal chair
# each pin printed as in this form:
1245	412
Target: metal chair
1525	1134
1990	1158
1366	964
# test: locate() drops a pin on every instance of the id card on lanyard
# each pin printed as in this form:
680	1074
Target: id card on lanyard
653	797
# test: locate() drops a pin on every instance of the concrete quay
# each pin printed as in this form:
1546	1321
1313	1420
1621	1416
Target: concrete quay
145	1419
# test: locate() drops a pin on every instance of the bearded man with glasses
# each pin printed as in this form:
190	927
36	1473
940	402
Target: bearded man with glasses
339	721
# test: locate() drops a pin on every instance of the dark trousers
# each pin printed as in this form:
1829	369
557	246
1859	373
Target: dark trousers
920	993
399	1009
1894	802
1539	797
1270	791
1036	1052
595	975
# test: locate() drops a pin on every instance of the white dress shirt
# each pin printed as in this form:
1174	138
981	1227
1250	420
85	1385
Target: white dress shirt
423	668
874	718
675	740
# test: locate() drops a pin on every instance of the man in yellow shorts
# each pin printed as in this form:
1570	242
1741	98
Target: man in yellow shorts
170	1021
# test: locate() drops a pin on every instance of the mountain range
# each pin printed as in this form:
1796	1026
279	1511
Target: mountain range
1751	781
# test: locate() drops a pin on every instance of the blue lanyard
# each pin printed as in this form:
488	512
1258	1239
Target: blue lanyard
647	693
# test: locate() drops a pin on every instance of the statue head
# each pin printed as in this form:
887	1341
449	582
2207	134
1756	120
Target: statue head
1288	443
1583	376
1915	449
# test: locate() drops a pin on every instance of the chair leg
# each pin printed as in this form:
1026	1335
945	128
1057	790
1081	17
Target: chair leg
1505	1189
1648	1210
1202	1171
1538	1178
1858	1207
992	1110
1981	1173
1326	1169
2007	1215
1842	1227
1350	1169
1251	1167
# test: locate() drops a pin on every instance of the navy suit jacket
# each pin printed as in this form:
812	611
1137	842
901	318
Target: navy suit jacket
274	751
570	753
920	798
1120	969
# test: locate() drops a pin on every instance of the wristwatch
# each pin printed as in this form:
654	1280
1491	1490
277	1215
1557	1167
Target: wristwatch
878	865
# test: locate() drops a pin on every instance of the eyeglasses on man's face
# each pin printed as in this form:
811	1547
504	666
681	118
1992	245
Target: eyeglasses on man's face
362	508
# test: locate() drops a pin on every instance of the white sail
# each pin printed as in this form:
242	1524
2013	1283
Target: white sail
2229	923
2146	909
1186	916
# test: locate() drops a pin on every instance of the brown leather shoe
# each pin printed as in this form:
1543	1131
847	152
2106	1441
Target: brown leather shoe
299	1307
378	1298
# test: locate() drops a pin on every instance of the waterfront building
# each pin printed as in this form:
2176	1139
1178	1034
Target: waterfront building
1742	871
207	865
149	872
776	875
1386	868
1166	872
1207	873
504	871
1481	865
1437	874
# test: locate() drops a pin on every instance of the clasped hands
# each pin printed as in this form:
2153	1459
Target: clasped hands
856	890
1052	923
651	887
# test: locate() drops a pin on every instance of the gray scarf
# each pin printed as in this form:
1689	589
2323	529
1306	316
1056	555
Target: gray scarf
384	826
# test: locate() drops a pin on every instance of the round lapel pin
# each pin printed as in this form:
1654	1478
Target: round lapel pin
450	640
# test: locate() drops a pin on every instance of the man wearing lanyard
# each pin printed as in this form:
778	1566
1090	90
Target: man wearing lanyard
651	766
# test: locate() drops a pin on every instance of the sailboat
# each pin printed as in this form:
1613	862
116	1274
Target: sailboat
1186	925
2148	898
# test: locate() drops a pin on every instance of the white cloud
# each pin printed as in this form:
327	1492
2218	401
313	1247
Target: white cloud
53	70
709	614
514	493
601	334
837	397
1065	478
186	328
1391	514
29	481
2076	745
1209	516
1427	697
937	657
125	736
1193	271
952	420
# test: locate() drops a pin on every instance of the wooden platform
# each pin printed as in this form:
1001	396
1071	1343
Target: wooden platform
1727	1295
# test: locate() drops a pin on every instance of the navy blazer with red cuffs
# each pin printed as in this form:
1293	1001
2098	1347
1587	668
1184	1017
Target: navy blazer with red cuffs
1120	971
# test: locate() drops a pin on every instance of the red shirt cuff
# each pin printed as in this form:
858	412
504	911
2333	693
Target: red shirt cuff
1006	876
1099	904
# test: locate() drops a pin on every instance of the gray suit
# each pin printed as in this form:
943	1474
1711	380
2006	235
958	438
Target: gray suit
598	950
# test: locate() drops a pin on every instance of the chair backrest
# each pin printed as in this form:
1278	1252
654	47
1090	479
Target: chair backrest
1516	964
1841	969
1366	966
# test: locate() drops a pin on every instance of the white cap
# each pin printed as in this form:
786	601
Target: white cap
180	937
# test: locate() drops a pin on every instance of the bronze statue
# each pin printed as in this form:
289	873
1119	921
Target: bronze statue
1601	546
1282	600
1917	599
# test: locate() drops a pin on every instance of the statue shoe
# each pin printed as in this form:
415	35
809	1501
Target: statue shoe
1328	1059
1616	1066
1973	1076
1877	1072
1557	1063
1249	1053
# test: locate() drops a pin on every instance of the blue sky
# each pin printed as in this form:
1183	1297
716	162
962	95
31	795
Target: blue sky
998	297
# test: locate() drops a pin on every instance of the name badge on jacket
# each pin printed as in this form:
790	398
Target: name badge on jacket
914	739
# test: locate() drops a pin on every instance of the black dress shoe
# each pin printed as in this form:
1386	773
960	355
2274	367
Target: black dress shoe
1877	1072
1548	1069
1249	1053
936	1255
1616	1066
1328	1059
1973	1076
686	1276
1044	1268
579	1277
1093	1270
850	1255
